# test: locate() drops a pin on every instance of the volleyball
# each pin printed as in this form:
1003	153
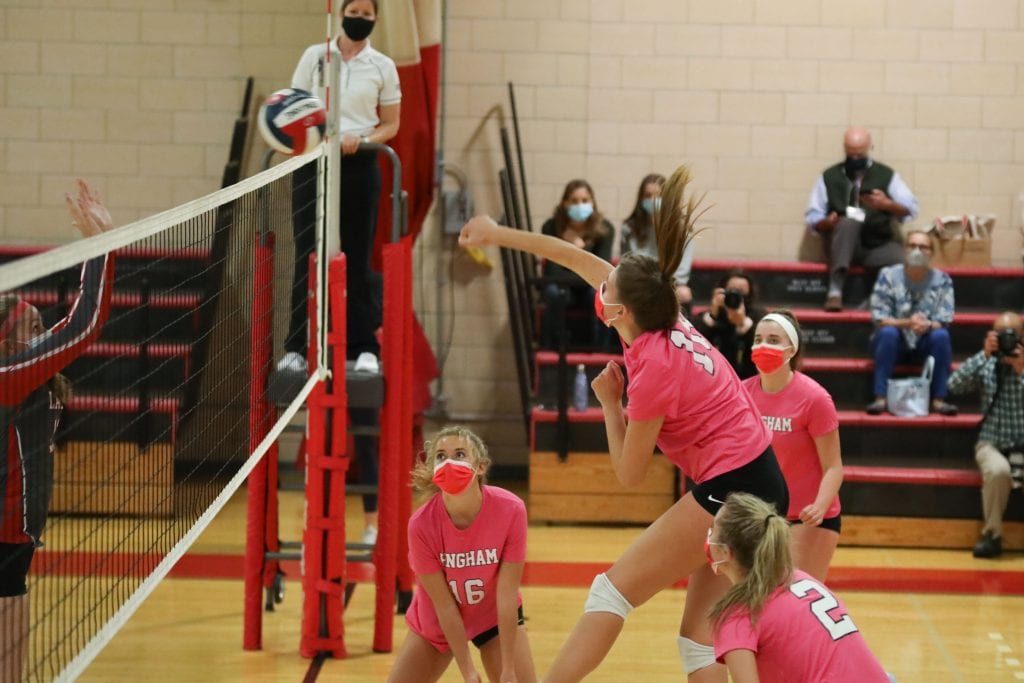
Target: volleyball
292	121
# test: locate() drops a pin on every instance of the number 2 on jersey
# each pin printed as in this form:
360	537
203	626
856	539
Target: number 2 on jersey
687	340
822	605
471	589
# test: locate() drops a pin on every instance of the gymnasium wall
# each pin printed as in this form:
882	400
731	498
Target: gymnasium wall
140	98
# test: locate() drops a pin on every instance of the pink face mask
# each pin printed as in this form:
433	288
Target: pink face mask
600	303
453	476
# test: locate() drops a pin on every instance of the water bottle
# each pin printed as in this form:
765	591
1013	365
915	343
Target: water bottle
1016	469
580	396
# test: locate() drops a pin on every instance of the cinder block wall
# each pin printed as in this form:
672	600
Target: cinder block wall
754	94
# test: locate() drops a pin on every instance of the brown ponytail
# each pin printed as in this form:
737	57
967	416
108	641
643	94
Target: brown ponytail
646	286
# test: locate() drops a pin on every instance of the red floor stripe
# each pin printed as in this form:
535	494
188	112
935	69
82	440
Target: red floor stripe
551	574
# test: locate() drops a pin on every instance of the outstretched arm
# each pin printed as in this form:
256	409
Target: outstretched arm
482	231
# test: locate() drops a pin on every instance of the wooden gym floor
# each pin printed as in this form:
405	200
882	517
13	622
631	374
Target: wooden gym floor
930	616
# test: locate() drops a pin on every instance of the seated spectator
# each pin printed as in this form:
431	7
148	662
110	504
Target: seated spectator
911	306
578	221
856	206
997	371
730	320
638	235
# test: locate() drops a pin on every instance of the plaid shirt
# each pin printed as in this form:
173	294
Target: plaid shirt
1004	425
892	298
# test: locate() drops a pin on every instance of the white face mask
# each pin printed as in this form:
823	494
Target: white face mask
38	339
916	258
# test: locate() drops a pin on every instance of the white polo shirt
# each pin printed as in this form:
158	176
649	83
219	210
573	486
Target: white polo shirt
368	79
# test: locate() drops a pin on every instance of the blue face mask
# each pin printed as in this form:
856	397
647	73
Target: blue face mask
650	205
580	212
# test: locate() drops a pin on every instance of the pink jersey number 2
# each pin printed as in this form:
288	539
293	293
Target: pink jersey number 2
822	605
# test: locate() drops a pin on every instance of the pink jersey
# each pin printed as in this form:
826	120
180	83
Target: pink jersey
803	635
711	424
801	411
470	559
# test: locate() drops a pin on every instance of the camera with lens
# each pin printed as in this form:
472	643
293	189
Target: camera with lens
733	299
1006	342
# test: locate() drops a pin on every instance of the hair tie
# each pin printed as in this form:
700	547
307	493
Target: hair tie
786	326
768	519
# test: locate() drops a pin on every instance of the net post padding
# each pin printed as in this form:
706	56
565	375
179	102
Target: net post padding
323	538
406	453
261	418
396	431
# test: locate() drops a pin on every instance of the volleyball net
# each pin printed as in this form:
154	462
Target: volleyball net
163	338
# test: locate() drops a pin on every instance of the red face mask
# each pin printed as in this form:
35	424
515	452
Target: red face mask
453	476
600	303
767	357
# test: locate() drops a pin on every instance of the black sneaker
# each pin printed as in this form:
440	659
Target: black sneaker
988	546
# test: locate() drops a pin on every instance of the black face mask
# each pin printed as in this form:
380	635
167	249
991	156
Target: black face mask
855	165
357	28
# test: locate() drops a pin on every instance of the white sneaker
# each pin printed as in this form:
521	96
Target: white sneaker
370	535
292	362
367	362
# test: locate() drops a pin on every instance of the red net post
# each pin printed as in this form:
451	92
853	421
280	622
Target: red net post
258	489
396	431
407	450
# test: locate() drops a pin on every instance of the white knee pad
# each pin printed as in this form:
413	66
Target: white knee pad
694	655
604	597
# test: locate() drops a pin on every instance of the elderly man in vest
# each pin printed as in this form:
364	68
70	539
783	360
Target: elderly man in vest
857	206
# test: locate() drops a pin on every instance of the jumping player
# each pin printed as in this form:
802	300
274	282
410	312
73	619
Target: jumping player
777	624
683	397
803	419
467	545
32	394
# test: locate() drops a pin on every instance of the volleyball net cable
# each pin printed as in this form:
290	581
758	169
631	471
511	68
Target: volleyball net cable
157	433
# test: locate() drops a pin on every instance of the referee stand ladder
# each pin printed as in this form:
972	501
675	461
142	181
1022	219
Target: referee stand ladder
332	565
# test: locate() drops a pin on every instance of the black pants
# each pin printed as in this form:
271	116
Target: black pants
360	191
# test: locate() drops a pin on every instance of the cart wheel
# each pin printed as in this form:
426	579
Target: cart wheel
275	593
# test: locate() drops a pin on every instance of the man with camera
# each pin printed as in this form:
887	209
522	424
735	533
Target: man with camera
730	320
856	206
997	371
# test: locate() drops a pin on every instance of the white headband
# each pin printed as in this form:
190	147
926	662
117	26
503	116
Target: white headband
786	326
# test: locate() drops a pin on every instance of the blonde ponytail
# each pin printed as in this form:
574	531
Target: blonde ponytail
759	539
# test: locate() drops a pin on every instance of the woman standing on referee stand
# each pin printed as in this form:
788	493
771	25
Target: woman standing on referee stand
805	429
369	109
683	397
777	624
32	395
467	545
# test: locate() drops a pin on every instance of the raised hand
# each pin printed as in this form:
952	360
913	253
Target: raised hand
88	214
477	232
